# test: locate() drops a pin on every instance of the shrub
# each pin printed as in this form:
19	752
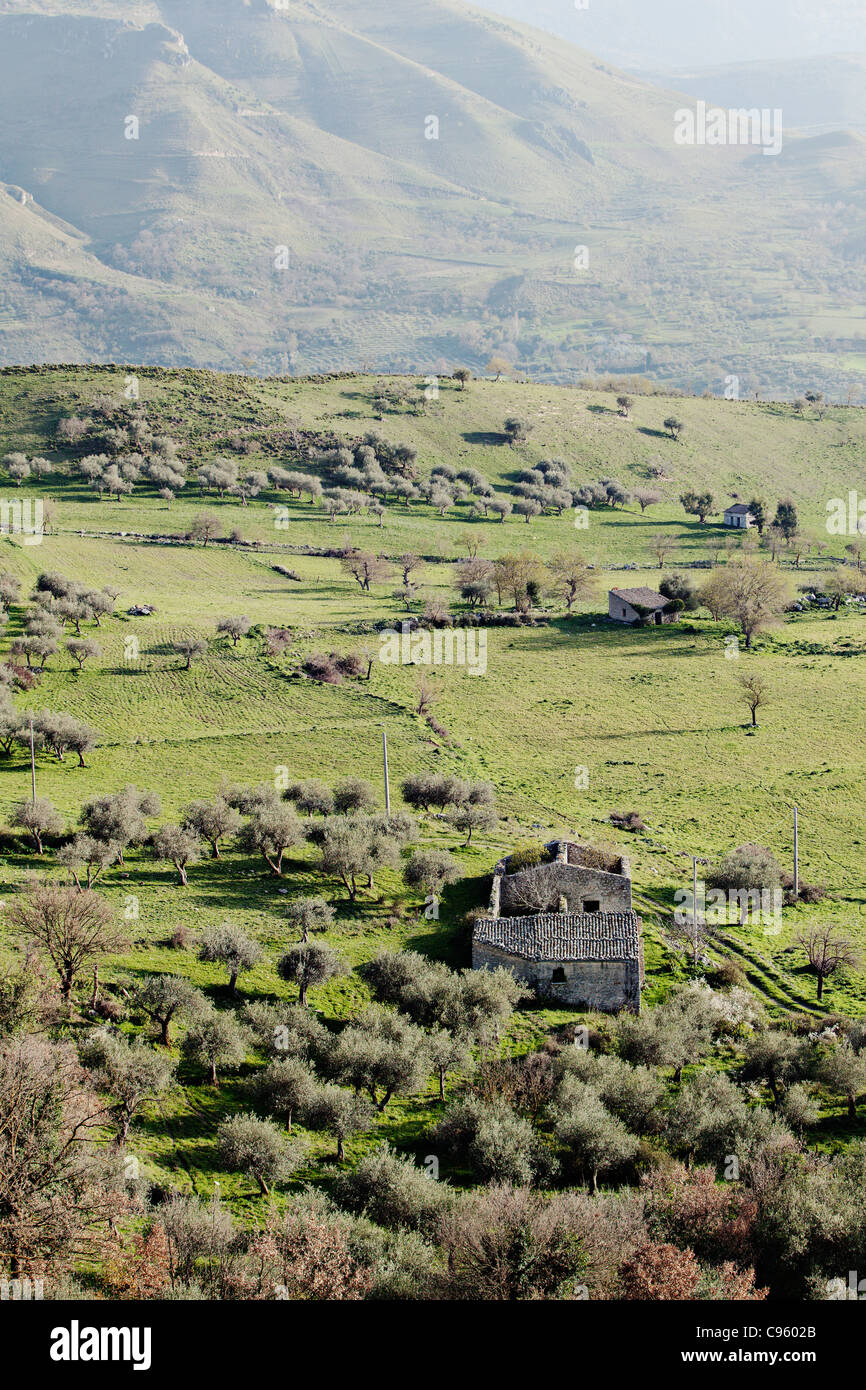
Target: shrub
393	1192
628	820
527	856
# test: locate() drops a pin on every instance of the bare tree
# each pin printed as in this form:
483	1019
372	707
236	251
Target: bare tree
752	592
427	694
662	545
826	950
73	928
205	527
573	577
366	568
58	1188
407	564
753	693
535	890
645	497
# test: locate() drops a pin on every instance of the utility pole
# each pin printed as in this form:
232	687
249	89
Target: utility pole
695	908
32	764
385	763
796	853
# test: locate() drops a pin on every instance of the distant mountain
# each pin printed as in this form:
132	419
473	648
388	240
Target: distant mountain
680	33
816	94
330	185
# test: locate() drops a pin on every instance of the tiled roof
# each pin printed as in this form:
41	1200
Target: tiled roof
646	598
560	936
738	508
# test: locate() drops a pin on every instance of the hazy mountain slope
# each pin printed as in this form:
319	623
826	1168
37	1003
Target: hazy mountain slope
284	209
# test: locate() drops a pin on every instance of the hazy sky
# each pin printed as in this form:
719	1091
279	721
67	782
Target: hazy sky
697	33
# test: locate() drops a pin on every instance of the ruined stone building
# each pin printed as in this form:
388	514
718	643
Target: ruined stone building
567	928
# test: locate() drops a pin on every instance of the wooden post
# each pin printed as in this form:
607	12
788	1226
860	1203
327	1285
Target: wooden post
796	854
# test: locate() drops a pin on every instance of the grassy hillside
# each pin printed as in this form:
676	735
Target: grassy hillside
652	715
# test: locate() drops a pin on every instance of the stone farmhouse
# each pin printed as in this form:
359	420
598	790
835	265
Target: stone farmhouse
566	928
739	515
637	605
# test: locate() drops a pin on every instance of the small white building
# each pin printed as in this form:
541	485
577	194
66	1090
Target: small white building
739	515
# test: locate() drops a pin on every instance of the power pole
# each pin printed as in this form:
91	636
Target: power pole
695	909
32	764
385	763
796	853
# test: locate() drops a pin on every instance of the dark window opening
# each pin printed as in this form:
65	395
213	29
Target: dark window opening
592	905
558	976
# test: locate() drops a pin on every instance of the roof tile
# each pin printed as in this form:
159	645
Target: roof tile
561	936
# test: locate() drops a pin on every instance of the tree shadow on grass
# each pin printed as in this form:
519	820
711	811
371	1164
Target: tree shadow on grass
493	438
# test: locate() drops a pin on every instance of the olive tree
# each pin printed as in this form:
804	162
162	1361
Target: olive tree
178	846
257	1147
130	1072
382	1051
164	998
231	947
309	964
213	821
313	914
353	794
215	1039
597	1140
83	649
235	628
190	648
121	817
343	1113
271	830
39	818
285	1088
430	870
353	847
84	856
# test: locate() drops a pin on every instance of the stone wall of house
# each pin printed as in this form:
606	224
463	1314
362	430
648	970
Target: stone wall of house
620	609
609	986
577	885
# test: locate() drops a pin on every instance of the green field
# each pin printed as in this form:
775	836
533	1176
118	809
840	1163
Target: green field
653	715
